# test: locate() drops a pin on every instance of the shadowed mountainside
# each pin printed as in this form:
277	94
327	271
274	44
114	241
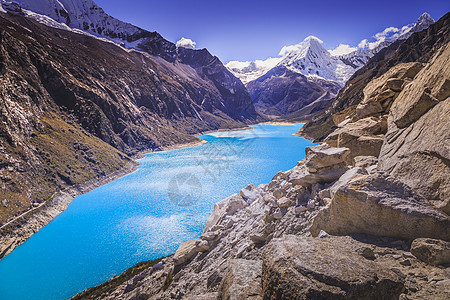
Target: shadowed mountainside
75	109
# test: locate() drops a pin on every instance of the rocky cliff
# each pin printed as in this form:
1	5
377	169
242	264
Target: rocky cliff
74	109
364	216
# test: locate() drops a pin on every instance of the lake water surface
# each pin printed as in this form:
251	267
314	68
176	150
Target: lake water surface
146	214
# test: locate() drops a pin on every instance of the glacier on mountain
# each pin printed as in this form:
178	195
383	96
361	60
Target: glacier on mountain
311	59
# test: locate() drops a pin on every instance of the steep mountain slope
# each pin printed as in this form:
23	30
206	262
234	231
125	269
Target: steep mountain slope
286	88
81	14
75	108
312	59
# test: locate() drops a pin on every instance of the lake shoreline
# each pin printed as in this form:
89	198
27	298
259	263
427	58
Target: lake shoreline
18	230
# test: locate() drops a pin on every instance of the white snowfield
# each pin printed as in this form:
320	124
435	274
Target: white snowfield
311	59
80	16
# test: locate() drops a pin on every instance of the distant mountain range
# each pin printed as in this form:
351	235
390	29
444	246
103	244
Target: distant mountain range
324	71
310	68
311	59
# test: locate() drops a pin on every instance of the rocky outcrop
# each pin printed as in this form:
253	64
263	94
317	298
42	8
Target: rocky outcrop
328	268
189	249
381	92
431	251
258	244
227	207
417	148
323	164
242	280
364	137
379	205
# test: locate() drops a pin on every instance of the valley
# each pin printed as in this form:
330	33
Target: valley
134	167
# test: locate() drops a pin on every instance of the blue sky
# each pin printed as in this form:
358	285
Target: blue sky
249	30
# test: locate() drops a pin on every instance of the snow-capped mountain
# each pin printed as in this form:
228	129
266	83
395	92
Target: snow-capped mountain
86	17
225	95
424	21
311	59
81	14
250	70
306	77
308	58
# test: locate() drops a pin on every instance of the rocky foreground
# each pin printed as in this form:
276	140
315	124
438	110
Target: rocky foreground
364	216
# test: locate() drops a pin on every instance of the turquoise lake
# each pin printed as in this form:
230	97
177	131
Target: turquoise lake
146	214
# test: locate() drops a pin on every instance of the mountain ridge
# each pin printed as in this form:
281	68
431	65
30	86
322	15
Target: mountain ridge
310	59
289	55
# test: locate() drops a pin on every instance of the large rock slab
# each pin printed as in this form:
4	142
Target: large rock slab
188	250
417	146
242	280
311	268
226	207
363	137
381	206
380	93
431	251
322	164
324	156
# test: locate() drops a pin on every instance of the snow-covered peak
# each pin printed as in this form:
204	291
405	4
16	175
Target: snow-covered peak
310	42
248	71
311	59
424	21
85	15
311	48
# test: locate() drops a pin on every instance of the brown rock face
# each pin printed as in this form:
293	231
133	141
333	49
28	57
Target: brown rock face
363	137
382	206
328	268
73	107
242	280
282	92
417	147
433	252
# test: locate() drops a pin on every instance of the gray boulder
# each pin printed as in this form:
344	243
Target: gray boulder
309	268
431	251
242	280
381	206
